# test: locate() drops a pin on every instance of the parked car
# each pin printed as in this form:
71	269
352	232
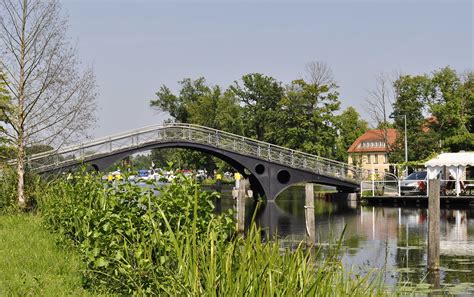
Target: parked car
414	184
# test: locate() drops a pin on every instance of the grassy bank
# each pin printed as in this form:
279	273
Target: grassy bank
31	264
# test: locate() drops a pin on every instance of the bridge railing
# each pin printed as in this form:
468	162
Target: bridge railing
195	134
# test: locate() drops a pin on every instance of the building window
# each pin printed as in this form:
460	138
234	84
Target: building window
386	159
376	161
368	159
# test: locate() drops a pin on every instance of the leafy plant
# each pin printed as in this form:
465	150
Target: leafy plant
157	241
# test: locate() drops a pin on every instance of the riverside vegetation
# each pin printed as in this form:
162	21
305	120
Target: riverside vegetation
134	241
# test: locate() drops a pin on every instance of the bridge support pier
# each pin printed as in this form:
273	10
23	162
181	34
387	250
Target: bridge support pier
309	215
270	179
240	214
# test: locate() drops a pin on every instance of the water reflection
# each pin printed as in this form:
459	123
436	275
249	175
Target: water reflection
393	239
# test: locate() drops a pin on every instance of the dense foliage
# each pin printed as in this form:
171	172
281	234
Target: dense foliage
137	242
8	190
440	113
123	231
305	114
301	115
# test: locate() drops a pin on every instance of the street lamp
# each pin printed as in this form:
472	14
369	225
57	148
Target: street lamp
406	141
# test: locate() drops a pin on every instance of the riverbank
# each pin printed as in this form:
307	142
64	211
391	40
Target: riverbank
31	262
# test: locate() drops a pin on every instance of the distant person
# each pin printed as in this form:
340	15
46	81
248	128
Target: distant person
218	184
237	178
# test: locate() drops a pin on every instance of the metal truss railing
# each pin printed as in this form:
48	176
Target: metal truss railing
178	132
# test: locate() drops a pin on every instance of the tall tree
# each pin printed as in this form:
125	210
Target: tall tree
51	100
319	73
439	109
410	97
378	105
178	105
305	118
450	103
350	127
198	103
259	95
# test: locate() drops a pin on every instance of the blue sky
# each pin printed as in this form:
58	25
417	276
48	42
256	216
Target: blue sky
137	46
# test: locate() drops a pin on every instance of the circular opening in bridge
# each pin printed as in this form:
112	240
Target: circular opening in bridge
260	169
283	176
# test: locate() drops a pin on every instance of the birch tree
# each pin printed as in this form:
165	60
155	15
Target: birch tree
378	104
52	100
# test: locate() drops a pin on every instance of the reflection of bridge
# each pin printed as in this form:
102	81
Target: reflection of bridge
270	168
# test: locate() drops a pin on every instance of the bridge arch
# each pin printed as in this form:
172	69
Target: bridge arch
234	160
272	168
266	179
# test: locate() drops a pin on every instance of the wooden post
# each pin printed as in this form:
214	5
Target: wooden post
309	214
241	205
433	224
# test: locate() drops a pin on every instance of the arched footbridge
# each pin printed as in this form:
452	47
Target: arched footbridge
270	168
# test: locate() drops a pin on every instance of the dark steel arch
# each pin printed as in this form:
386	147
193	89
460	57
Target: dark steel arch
267	179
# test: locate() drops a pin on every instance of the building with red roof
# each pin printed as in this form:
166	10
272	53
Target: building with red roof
370	150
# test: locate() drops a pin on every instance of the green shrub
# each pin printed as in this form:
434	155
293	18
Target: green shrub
136	242
8	190
120	230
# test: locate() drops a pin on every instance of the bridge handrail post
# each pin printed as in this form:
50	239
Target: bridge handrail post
292	158
269	152
217	139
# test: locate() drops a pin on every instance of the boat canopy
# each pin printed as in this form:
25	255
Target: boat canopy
455	163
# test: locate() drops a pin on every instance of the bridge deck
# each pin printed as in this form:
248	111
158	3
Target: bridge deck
188	133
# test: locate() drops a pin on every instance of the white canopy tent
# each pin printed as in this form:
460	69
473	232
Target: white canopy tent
455	163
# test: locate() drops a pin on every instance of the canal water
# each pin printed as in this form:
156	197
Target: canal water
392	240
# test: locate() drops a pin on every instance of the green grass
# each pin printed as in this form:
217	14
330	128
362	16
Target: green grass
31	264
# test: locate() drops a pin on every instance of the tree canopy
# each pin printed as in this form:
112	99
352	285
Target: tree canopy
439	111
302	115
